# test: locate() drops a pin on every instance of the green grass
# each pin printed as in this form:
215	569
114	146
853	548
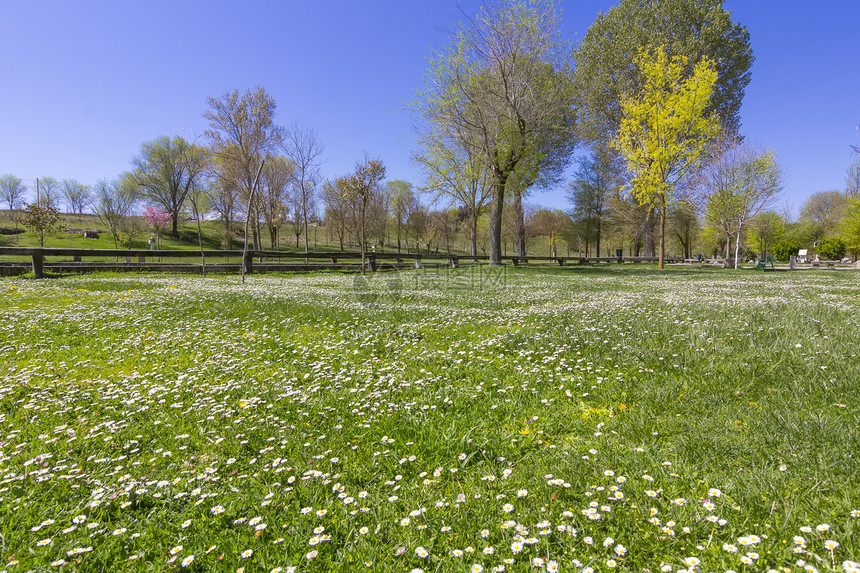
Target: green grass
172	412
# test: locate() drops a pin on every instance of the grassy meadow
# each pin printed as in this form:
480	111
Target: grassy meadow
544	419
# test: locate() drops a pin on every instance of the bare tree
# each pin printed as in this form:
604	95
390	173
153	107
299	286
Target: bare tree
114	201
361	186
222	199
336	201
274	197
242	132
76	194
12	191
305	148
48	192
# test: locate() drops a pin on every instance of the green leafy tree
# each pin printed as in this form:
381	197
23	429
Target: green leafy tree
401	203
785	248
504	91
597	177
851	227
831	249
738	182
42	218
822	213
766	229
665	130
166	170
607	72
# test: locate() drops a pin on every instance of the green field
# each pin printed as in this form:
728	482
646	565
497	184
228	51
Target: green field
525	420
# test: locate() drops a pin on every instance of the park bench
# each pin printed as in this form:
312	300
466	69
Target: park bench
764	264
830	264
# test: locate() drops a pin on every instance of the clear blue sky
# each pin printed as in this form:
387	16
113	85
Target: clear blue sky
83	84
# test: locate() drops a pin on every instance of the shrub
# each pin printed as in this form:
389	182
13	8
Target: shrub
831	249
785	248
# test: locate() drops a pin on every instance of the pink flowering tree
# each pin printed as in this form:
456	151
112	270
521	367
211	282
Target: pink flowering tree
157	219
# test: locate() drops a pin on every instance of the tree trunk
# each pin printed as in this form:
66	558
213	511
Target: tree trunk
520	218
174	219
473	232
498	203
649	233
660	263
306	233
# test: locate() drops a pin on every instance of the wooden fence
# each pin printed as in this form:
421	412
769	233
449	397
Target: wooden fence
151	260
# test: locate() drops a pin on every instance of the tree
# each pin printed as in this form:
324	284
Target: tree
823	212
76	194
831	249
222	199
48	192
361	186
275	197
665	130
401	203
607	71
851	227
242	132
589	192
304	147
504	91
114	201
784	249
336	199
683	222
738	182
852	180
552	224
767	228
453	169
166	169
12	191
42	218
157	219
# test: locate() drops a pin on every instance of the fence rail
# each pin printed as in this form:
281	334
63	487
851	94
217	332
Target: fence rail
144	259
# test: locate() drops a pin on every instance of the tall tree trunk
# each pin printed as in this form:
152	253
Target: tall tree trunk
473	233
398	236
498	203
660	263
174	219
649	233
520	218
305	217
598	235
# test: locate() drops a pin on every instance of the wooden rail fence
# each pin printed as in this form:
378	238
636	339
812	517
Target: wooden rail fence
143	259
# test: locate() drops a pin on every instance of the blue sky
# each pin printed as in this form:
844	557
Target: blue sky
83	84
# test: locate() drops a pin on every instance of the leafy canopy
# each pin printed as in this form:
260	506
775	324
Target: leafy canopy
664	130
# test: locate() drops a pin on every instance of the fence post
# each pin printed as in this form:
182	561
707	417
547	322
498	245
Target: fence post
38	259
248	262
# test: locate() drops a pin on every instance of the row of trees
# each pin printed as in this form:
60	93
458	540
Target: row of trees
653	90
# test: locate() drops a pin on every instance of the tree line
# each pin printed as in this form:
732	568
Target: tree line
650	100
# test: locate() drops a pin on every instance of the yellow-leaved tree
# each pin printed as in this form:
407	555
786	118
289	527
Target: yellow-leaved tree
666	128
